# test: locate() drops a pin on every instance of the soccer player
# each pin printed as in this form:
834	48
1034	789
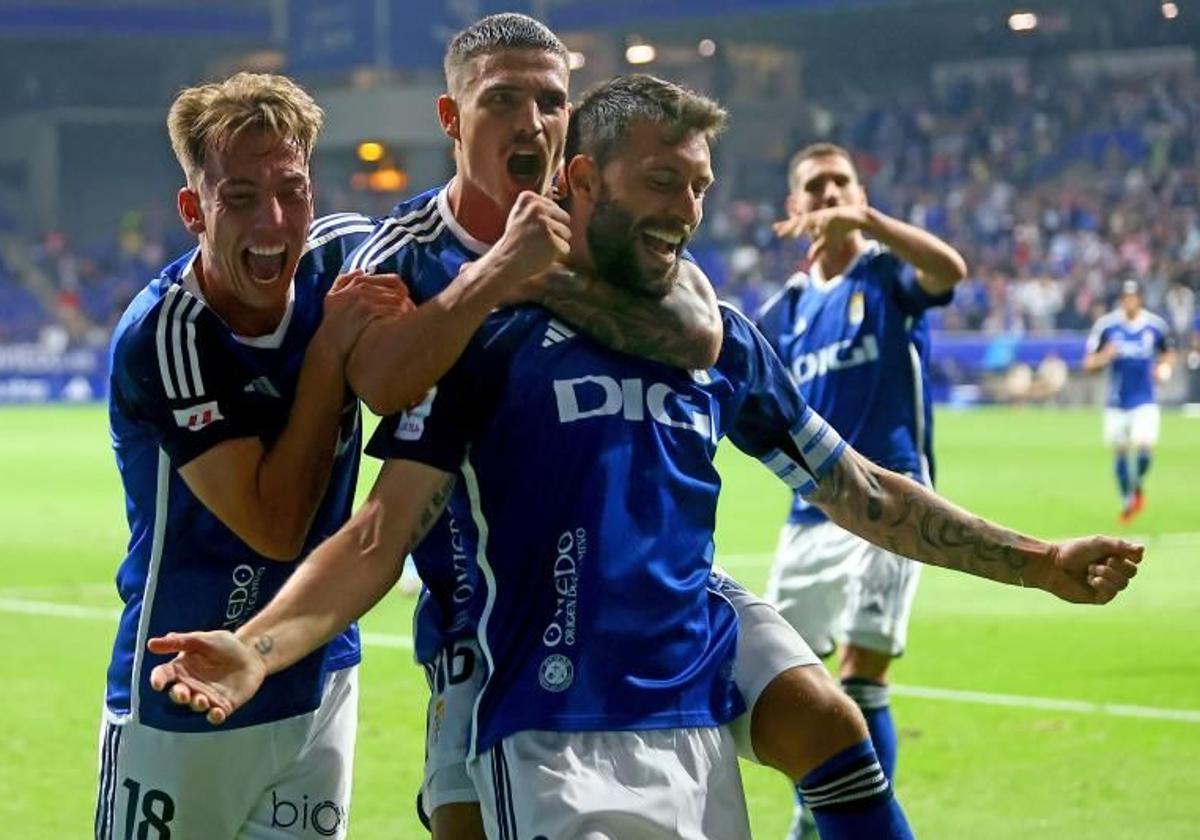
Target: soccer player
238	446
852	330
589	485
1136	346
505	110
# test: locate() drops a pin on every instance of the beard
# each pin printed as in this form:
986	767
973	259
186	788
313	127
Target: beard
612	236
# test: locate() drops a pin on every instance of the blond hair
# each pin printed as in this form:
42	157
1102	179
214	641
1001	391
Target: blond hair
208	117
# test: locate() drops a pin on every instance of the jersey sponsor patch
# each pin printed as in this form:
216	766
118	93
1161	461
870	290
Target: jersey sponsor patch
197	417
604	396
412	422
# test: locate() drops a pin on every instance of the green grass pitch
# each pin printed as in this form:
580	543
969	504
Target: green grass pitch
978	770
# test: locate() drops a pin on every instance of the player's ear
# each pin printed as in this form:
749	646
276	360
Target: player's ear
447	111
189	210
559	188
792	205
582	178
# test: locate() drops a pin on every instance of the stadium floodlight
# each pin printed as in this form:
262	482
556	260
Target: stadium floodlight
575	59
1170	11
640	53
370	151
1022	21
707	48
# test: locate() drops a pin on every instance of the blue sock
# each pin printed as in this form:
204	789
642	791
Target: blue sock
1143	466
872	698
851	799
1123	475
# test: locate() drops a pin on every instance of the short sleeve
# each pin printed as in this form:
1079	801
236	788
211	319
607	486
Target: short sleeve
438	430
1098	337
771	420
1162	340
906	289
175	371
774	319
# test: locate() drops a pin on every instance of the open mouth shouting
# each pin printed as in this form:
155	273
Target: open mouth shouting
264	263
527	169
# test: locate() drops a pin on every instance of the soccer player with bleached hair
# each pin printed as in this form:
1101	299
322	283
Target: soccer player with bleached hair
852	330
587	477
1135	345
237	436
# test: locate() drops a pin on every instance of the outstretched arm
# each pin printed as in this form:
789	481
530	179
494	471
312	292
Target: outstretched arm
682	329
217	672
893	511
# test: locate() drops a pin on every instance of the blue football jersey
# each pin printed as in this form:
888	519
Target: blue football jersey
588	476
1138	344
858	348
422	242
182	383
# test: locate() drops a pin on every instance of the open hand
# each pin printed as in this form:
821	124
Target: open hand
214	672
826	229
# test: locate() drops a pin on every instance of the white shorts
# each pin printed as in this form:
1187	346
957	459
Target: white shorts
767	646
1133	426
286	779
835	587
455	679
663	783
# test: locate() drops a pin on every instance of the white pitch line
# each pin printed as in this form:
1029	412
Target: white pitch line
1049	703
395	642
17	605
387	640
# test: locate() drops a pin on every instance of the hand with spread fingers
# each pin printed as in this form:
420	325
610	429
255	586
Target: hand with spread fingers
827	229
214	672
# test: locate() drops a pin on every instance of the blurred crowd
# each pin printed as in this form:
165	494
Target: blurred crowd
1055	192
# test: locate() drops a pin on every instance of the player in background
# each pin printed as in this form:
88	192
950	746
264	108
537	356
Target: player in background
1136	346
238	443
608	649
852	330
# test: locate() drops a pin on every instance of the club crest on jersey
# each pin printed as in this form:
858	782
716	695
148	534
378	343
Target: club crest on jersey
412	422
556	673
197	417
856	310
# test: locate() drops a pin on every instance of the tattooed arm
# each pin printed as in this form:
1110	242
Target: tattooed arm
217	672
895	512
682	329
